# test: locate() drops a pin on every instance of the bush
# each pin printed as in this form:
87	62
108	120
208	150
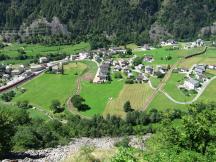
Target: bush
123	143
77	101
129	81
56	106
117	75
7	97
23	104
127	107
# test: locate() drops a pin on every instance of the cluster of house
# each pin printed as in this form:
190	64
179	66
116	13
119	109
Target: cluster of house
143	71
104	72
197	77
15	74
98	54
197	43
169	42
148	58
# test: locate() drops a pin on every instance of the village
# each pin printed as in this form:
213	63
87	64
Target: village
110	61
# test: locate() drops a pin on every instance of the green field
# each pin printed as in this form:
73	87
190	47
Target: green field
172	88
135	93
47	87
161	102
98	95
36	49
209	94
155	81
161	53
208	58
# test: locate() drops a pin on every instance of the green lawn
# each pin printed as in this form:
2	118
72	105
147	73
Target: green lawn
208	58
209	94
172	88
160	54
155	81
47	87
161	102
98	95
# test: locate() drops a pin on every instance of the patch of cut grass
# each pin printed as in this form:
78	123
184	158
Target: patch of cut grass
98	95
135	93
161	102
155	81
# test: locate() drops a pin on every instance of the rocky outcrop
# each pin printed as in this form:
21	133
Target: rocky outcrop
158	33
62	152
42	26
208	30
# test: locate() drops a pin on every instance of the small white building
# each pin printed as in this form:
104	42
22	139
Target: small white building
83	55
149	70
36	67
191	84
18	70
43	60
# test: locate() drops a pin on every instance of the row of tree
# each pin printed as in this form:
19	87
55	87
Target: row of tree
19	132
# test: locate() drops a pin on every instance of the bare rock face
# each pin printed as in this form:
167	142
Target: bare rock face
42	26
60	153
158	32
208	30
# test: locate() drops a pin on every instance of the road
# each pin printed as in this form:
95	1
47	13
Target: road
160	86
195	99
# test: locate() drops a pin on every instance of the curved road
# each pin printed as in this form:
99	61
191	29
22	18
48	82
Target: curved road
205	85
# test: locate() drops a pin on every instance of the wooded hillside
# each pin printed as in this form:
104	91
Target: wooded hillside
120	21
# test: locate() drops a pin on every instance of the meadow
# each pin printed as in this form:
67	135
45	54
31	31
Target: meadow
160	55
209	94
208	58
98	95
47	87
172	89
37	49
135	93
161	102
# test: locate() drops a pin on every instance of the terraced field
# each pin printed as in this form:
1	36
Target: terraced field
135	93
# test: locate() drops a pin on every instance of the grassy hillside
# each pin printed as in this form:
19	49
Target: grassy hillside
47	87
33	50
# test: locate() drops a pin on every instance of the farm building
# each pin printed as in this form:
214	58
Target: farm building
191	84
43	60
36	67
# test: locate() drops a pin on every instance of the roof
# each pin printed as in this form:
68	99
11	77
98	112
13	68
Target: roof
193	81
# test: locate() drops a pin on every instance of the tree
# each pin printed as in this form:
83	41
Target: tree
129	51
137	61
6	132
117	75
56	106
23	104
26	138
127	107
7	97
78	103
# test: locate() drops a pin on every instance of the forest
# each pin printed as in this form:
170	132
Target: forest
119	21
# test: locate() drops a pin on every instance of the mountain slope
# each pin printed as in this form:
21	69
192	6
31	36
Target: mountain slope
122	20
